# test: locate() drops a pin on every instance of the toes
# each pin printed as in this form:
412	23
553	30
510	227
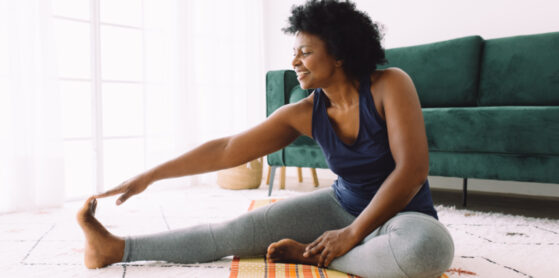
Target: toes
272	246
87	204
93	206
270	252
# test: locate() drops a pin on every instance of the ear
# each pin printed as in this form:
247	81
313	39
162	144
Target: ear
339	63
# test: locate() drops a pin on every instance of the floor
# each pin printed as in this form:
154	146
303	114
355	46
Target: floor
503	203
48	243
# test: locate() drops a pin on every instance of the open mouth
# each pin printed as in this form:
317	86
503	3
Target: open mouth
302	74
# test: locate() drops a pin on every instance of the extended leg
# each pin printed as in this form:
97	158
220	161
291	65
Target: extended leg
302	218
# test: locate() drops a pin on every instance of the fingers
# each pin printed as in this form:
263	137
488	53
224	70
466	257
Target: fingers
323	258
123	198
314	248
114	191
313	245
328	259
321	247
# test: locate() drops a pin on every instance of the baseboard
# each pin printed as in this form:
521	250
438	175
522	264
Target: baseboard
525	189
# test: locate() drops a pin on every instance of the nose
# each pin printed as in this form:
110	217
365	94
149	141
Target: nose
296	61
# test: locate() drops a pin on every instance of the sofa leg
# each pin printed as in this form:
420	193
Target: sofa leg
465	192
314	177
268	176
299	174
282	177
272	171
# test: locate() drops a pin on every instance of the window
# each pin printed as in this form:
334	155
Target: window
100	47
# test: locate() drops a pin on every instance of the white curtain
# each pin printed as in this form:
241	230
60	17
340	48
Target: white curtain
222	70
162	77
203	76
31	152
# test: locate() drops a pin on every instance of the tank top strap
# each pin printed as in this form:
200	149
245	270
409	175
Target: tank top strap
367	102
318	124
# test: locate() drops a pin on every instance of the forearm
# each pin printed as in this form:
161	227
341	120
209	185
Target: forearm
205	158
393	196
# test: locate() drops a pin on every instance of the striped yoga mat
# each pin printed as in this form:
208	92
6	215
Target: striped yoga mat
260	267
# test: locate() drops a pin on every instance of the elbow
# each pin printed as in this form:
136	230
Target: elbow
419	172
423	172
231	154
221	149
415	173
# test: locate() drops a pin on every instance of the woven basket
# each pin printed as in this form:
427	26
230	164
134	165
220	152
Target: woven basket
246	176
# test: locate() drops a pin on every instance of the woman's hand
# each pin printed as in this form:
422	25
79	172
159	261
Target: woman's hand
128	188
331	245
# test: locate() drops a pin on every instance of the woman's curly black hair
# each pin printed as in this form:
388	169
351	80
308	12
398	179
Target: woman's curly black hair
349	34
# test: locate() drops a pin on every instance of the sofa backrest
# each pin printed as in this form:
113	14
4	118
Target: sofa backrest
445	73
520	70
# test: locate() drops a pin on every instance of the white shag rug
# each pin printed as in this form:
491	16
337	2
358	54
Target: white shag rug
49	243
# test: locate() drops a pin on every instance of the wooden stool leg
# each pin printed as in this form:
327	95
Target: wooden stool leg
299	174
268	176
282	178
314	177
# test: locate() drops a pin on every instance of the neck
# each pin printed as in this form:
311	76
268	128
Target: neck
342	92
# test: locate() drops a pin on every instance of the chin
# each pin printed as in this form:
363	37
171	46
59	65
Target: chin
305	85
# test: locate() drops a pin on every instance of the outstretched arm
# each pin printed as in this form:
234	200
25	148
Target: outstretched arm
274	133
269	136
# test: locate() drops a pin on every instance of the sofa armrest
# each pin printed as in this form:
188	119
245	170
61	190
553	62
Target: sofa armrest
276	92
278	86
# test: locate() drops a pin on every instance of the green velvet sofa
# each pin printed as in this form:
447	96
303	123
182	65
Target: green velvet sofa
491	107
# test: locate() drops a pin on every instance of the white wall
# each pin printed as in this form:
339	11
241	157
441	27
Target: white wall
408	22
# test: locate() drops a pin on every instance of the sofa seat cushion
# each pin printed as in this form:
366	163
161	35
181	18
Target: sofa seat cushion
520	70
445	73
526	130
303	152
534	168
305	156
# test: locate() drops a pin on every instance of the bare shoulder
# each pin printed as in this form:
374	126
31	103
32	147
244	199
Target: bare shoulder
391	85
392	79
298	114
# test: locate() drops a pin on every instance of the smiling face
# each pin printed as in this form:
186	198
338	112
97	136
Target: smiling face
314	66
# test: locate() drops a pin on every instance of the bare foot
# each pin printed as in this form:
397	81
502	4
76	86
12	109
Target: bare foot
101	248
290	251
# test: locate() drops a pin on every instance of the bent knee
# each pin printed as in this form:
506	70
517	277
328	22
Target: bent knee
427	253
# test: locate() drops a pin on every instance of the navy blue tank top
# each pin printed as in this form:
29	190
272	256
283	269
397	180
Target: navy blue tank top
363	166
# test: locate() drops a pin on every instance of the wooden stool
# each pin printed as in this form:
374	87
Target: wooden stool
272	173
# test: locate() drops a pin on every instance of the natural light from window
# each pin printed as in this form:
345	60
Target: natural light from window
100	65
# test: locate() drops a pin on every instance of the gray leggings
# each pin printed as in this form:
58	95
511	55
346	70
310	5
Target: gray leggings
411	244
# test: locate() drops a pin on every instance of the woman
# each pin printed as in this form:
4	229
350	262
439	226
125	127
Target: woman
378	218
